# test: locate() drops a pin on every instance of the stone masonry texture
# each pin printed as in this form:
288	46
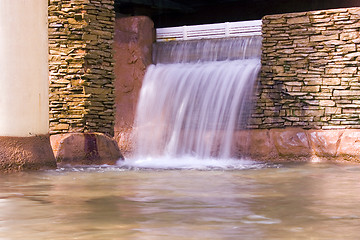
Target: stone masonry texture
81	64
310	71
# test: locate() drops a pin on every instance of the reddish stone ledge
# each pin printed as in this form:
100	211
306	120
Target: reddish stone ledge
26	153
288	144
85	149
295	144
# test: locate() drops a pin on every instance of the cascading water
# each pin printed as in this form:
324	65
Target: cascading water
195	96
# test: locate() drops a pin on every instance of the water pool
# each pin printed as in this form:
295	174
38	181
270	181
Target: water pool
277	201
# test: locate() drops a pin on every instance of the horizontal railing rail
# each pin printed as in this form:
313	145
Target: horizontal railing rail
217	30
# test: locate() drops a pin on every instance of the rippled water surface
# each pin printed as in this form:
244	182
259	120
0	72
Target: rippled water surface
287	201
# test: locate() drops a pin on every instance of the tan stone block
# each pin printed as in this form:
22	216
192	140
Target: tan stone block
355	110
293	83
321	13
286	51
354	26
355	11
278	69
313	81
345	36
320	38
61	126
352	56
97	91
333	110
351	70
336	70
346	48
322	19
310	88
298	20
331	81
292	119
326	103
278	20
309	113
87	37
346	93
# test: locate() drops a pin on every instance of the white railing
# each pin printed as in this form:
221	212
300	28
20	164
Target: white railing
217	30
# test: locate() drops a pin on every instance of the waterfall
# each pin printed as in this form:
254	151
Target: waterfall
195	96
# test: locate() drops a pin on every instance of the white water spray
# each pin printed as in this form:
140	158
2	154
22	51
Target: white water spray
195	96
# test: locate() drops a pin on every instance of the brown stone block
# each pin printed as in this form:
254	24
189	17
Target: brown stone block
85	149
325	143
261	145
312	88
241	143
26	153
309	112
350	144
291	142
125	141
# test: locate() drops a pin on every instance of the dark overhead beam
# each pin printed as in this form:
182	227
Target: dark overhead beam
156	4
166	13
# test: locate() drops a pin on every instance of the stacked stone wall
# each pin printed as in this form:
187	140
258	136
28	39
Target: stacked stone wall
310	71
81	64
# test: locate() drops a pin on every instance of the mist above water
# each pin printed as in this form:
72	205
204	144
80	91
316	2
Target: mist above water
190	162
194	98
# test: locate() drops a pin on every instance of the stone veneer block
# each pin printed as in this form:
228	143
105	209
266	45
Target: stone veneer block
325	143
290	142
26	153
349	147
85	149
241	143
262	145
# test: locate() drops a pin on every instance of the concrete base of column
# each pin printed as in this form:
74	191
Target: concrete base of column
26	153
85	149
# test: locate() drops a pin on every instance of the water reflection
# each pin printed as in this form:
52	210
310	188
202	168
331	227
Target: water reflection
314	201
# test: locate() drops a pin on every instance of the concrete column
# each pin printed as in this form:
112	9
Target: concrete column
24	108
